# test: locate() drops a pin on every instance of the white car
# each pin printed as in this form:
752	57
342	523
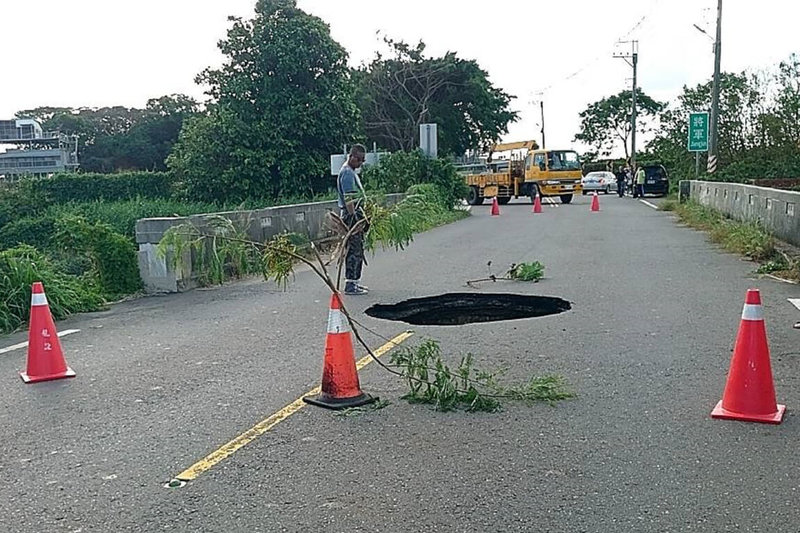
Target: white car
599	181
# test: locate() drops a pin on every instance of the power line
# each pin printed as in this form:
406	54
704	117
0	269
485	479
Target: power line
636	26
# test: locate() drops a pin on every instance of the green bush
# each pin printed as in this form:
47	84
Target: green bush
401	170
122	215
37	232
113	256
66	294
84	187
20	200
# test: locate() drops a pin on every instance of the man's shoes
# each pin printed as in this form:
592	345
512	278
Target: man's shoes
362	287
352	289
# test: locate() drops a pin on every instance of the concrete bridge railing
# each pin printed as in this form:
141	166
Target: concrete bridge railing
776	210
260	224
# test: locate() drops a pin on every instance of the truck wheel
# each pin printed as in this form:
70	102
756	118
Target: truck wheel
474	197
566	198
503	200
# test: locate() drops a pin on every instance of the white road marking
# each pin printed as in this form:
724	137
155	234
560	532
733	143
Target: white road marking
648	203
25	344
795	302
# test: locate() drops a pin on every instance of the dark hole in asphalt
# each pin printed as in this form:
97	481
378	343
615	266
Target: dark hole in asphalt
455	309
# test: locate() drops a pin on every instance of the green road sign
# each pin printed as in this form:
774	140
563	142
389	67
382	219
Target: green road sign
698	132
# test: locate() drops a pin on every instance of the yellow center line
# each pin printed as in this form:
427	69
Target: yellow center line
225	451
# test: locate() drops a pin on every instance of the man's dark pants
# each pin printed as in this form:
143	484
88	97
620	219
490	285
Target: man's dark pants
354	260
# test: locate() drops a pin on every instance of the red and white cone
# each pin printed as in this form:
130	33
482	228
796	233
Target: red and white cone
537	204
340	386
749	392
495	207
595	202
45	356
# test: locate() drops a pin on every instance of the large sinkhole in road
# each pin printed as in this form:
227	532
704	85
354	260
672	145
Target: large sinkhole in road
455	309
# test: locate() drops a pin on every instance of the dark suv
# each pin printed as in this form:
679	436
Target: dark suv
656	180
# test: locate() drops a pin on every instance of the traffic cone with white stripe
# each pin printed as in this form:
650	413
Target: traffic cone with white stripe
595	202
749	393
537	204
495	207
45	357
340	388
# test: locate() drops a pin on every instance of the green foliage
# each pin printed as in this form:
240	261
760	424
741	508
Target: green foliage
533	271
219	250
66	294
744	238
20	200
399	171
419	211
431	381
122	215
37	232
748	239
668	205
400	92
282	103
113	256
117	138
277	261
607	123
758	126
84	187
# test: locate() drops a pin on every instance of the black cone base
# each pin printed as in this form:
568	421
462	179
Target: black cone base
329	402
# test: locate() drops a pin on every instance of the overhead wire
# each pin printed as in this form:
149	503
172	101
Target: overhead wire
639	23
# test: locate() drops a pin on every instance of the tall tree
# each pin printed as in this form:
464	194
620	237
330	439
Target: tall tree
606	124
398	93
281	104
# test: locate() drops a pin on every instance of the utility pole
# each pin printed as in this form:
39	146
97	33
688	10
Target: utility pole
634	60
713	138
541	105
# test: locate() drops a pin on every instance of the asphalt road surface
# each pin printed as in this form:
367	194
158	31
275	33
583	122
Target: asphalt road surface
162	382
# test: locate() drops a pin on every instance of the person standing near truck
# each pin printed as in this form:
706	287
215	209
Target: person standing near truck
348	186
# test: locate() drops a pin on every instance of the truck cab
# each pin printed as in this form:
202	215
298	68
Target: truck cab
524	170
552	173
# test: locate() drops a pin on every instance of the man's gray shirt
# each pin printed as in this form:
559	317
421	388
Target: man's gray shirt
346	183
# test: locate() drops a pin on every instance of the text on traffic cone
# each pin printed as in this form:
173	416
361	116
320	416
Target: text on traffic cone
45	356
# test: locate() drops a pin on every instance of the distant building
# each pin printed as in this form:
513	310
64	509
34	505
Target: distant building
35	152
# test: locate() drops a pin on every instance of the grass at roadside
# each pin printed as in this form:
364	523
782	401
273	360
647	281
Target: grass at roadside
744	238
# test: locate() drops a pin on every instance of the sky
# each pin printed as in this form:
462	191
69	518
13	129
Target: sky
97	53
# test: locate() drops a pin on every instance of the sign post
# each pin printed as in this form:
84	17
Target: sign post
698	137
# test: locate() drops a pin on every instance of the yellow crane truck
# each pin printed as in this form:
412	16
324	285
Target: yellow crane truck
525	171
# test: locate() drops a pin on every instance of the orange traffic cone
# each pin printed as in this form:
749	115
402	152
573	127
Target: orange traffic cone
537	204
45	357
340	387
749	393
595	202
495	207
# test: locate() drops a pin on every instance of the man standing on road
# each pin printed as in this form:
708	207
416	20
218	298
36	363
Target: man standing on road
620	175
640	176
348	186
